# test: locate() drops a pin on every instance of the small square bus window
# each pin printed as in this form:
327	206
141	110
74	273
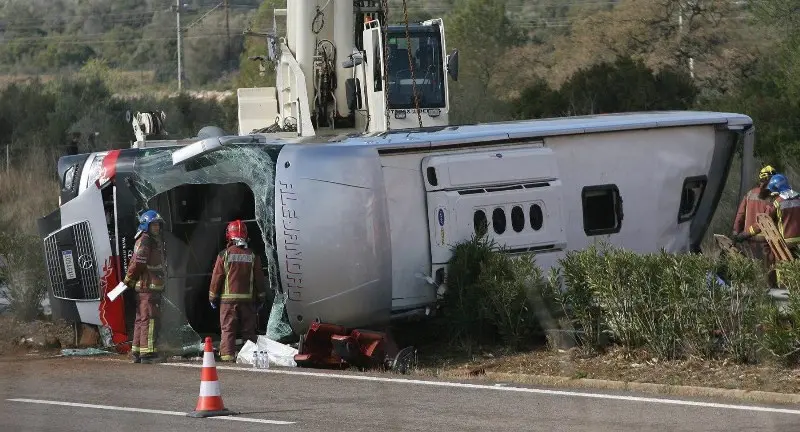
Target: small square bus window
602	209
691	194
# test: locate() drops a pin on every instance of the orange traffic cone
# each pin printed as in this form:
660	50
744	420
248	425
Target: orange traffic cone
209	403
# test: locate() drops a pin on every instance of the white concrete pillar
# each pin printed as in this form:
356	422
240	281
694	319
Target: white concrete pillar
344	39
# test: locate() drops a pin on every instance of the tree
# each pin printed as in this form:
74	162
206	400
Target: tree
609	87
256	45
539	100
482	33
770	90
206	48
662	33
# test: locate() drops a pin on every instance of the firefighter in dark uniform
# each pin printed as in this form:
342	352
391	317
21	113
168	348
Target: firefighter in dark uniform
146	276
785	212
237	284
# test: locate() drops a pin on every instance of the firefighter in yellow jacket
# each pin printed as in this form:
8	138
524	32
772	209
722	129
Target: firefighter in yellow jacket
146	276
237	283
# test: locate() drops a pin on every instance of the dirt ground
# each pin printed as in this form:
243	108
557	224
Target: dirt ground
45	337
618	365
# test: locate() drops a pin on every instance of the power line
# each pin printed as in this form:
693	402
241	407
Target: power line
33	23
132	39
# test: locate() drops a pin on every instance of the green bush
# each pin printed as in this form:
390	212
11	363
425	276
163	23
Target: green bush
781	326
492	297
23	274
671	306
664	303
578	301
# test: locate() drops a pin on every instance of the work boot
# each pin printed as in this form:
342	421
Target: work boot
151	358
135	357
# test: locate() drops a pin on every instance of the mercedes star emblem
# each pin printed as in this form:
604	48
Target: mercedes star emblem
85	262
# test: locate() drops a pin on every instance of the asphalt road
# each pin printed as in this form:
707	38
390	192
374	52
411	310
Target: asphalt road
317	401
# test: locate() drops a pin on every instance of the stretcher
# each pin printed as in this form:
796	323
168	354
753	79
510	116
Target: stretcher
779	248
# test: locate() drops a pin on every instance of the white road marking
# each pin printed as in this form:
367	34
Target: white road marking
144	410
505	388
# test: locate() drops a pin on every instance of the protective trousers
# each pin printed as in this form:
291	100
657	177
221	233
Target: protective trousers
759	249
145	330
231	316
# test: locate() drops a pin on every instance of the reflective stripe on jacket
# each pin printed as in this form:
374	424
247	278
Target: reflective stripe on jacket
237	276
146	267
749	208
786	215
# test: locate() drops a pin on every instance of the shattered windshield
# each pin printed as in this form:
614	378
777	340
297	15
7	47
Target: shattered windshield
197	199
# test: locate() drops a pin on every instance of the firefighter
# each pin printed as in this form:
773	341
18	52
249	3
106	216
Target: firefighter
756	201
146	276
237	284
785	211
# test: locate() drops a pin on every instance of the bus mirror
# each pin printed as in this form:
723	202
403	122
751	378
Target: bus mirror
452	65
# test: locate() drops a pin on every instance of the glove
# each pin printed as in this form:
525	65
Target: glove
213	304
738	238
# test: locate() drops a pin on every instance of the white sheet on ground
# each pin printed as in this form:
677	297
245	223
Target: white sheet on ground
278	353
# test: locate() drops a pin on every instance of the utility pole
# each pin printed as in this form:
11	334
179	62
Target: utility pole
228	31
178	31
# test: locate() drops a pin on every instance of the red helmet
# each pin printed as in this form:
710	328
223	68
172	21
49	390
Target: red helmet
236	230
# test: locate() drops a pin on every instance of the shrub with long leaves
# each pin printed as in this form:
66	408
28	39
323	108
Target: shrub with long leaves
669	304
493	297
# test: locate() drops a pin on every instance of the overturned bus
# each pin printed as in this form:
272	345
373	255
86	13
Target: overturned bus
357	230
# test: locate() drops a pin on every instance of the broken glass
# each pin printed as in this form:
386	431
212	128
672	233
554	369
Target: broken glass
155	177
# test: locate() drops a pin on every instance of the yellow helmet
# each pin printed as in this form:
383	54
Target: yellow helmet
766	172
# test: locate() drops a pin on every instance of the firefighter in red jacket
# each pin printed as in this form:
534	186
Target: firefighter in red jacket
756	201
237	283
146	276
785	211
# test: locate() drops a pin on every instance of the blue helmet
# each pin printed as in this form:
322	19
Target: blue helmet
146	218
778	184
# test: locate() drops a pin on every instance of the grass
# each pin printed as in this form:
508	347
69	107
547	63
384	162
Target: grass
28	191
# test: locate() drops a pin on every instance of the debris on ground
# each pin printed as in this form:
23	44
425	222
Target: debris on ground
81	352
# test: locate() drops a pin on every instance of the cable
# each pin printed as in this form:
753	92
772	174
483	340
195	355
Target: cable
385	57
68	41
411	66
